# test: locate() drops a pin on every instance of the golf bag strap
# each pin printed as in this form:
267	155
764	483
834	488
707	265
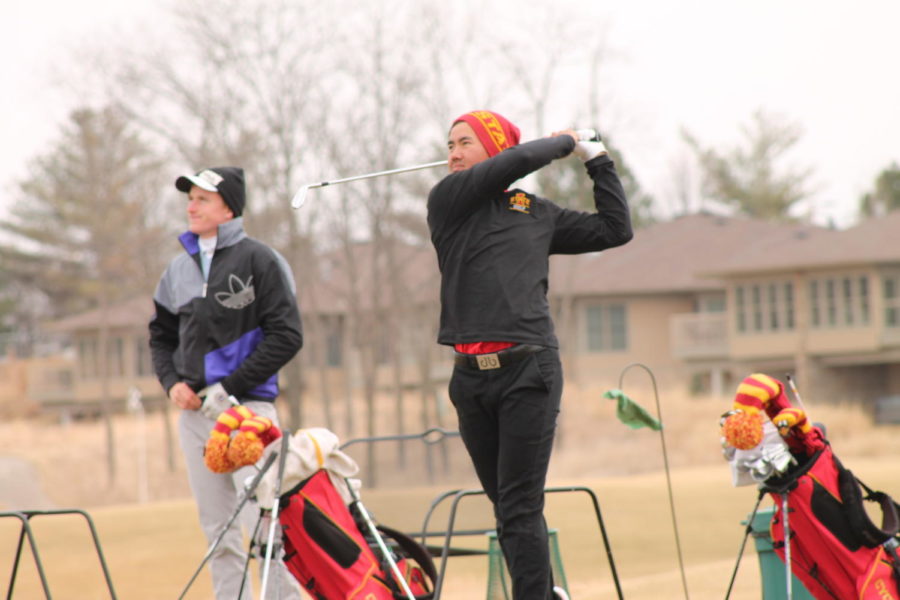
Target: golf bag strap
890	525
413	549
867	533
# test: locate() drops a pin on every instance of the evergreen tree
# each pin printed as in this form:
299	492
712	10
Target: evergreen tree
566	183
83	225
750	178
885	197
82	231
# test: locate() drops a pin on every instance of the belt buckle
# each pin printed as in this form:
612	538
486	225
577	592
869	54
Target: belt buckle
486	362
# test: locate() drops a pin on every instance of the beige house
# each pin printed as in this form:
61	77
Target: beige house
75	383
701	301
650	302
705	300
822	304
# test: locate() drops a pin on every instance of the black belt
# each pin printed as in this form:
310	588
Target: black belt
496	360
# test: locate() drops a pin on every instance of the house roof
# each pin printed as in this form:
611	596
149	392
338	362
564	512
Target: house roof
130	313
872	241
673	256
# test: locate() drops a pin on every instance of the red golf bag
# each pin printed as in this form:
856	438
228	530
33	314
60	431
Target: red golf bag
835	549
330	557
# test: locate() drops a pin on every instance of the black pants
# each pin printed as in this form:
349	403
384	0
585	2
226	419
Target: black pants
507	420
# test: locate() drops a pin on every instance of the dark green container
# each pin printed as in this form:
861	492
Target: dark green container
499	587
771	567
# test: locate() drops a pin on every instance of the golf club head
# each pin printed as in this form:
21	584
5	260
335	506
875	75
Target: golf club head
300	197
588	135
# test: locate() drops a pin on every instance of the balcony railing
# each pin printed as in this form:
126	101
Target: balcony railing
699	335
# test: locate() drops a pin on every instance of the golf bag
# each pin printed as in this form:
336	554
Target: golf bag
827	536
836	550
331	558
820	526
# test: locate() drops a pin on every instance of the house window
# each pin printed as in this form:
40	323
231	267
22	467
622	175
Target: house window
334	342
770	307
143	362
839	302
740	309
87	358
814	304
891	290
384	347
788	290
115	353
756	307
847	300
864	300
773	307
831	302
711	304
607	328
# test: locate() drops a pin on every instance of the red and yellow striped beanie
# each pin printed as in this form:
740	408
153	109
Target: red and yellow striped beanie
494	131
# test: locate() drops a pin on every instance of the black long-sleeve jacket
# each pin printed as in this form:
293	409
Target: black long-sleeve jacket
239	328
493	244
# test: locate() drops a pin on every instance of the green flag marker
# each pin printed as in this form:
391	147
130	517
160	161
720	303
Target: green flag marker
630	412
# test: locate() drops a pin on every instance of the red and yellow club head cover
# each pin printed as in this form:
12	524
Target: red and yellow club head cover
255	434
215	454
789	418
756	392
224	453
743	430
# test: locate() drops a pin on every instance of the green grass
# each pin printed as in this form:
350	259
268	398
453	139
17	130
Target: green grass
152	550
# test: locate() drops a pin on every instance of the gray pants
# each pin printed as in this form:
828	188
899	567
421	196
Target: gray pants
217	496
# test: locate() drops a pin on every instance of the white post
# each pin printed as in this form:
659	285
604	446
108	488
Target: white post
136	405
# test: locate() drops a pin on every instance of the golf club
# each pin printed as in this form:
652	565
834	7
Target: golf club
300	196
588	135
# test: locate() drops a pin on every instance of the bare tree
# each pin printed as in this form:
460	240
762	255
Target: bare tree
368	123
239	95
299	91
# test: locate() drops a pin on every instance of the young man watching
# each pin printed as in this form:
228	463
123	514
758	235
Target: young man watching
226	321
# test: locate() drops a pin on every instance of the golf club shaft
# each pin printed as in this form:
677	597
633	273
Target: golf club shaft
382	173
300	196
276	504
786	527
245	496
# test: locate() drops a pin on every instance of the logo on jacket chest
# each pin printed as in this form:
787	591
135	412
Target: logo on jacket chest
520	203
239	294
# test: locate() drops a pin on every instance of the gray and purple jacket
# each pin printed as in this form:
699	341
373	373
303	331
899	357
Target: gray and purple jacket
239	327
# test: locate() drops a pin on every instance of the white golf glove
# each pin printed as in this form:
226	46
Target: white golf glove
588	150
589	145
216	401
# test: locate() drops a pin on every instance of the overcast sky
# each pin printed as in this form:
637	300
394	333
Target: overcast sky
704	65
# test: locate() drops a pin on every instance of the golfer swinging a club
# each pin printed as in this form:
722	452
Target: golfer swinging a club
493	245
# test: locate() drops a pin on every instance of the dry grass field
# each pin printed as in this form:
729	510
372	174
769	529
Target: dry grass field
152	547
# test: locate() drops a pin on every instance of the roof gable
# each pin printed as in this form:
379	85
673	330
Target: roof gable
672	256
